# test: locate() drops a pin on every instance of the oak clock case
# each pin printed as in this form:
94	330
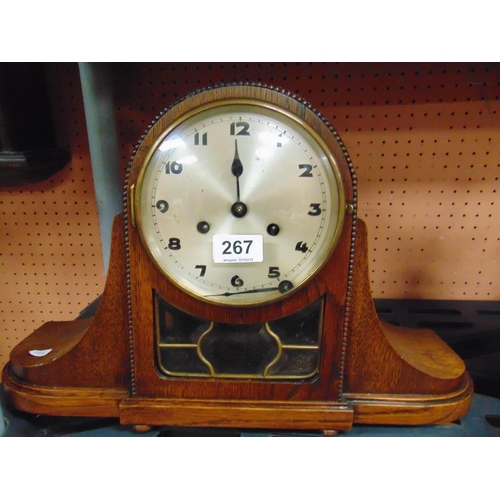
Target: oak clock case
238	291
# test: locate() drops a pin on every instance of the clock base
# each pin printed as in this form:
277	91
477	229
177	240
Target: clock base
305	415
390	375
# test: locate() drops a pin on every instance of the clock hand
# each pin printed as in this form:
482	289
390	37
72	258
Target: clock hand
284	286
237	169
238	209
228	294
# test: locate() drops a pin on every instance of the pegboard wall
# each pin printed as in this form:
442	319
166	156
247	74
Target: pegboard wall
424	138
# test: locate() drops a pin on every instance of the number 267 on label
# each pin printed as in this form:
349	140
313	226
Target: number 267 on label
233	248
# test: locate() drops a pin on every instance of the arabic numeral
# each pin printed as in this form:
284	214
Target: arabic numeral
274	272
174	244
226	250
301	247
307	170
174	167
239	128
236	281
204	139
237	247
202	268
162	206
315	209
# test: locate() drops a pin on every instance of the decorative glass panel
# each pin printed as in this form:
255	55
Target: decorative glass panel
282	349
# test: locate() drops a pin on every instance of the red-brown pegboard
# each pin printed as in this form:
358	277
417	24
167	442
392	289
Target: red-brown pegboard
424	139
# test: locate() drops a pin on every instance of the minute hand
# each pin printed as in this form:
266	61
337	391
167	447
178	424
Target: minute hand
228	294
283	287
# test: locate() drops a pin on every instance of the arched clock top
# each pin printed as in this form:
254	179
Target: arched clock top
241	195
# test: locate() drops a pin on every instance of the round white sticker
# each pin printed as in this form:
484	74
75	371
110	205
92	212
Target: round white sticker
40	352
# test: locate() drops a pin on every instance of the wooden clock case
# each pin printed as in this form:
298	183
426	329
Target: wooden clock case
369	372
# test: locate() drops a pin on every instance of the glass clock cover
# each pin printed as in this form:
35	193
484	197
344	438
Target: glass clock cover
239	203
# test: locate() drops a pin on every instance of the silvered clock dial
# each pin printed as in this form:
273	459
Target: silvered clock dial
239	202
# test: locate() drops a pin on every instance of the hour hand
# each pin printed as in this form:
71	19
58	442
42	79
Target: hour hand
237	169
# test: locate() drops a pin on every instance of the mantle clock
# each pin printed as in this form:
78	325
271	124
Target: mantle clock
238	291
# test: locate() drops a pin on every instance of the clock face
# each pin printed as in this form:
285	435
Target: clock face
239	203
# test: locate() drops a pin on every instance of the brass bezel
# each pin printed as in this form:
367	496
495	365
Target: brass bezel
256	103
